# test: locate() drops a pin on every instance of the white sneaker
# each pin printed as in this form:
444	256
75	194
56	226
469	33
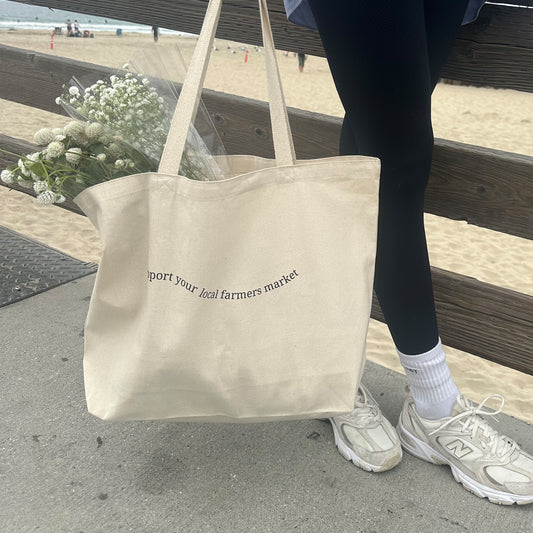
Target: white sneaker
366	437
484	461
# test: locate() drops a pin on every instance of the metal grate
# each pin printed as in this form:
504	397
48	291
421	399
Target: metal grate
28	267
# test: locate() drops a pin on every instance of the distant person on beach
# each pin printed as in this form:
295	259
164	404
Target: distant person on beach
155	31
76	32
301	61
386	57
69	28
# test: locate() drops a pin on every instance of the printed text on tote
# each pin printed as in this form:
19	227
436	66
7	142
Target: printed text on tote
219	294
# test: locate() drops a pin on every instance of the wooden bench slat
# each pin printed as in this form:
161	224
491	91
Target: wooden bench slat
496	50
36	79
482	319
489	188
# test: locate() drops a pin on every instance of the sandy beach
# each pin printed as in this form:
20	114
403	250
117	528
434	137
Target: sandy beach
500	119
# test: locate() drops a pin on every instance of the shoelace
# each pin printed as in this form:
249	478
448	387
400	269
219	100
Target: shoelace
472	422
363	413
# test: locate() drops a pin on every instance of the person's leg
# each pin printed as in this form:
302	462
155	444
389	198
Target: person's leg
386	58
380	59
379	54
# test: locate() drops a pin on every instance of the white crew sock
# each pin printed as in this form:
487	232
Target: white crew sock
431	383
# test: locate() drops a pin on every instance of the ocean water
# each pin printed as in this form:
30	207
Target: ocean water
16	16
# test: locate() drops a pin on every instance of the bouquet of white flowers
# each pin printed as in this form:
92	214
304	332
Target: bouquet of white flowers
121	127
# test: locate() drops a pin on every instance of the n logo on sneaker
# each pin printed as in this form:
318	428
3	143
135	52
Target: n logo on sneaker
458	448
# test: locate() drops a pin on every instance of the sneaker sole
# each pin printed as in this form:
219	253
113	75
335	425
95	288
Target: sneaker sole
423	451
350	455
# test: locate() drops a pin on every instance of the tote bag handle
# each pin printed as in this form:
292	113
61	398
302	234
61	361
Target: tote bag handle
194	80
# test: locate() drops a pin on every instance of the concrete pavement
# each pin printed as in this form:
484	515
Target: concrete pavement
62	470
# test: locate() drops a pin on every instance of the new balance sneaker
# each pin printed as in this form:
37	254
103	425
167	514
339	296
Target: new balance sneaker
366	437
484	461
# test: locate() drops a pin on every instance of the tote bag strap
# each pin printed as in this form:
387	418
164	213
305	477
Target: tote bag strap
194	80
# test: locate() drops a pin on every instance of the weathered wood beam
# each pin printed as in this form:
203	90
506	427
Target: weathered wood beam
482	319
36	79
486	187
496	50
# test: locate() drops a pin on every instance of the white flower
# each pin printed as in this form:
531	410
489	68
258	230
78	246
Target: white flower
60	199
74	91
75	129
46	197
40	186
58	100
55	149
114	149
93	130
60	137
101	157
6	176
34	157
73	155
44	136
120	163
23	168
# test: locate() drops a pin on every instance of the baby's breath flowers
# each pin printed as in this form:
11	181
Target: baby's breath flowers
127	105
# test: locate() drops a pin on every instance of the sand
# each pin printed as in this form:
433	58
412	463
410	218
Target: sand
493	118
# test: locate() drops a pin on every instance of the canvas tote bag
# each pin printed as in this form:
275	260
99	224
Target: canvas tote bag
239	300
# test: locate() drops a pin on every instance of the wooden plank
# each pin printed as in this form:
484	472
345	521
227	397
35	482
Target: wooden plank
15	146
476	317
490	65
496	50
482	319
36	79
489	188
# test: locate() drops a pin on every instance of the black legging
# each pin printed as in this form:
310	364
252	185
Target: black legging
386	57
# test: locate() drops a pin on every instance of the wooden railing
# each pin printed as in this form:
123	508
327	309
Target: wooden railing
485	187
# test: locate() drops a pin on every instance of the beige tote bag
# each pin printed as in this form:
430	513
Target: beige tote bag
240	300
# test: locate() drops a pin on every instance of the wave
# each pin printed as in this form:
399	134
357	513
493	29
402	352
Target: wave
109	27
